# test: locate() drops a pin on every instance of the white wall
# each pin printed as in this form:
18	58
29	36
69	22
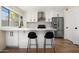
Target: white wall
2	40
16	10
71	21
0	16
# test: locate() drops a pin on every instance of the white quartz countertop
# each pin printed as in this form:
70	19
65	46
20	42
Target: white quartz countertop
23	29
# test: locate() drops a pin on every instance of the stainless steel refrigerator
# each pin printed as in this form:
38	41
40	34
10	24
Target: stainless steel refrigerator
58	23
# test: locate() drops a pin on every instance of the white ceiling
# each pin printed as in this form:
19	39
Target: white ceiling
57	8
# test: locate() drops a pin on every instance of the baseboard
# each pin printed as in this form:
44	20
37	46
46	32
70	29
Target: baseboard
11	47
73	42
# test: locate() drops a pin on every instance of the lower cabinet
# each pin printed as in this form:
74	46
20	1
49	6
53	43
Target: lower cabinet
12	39
16	39
23	39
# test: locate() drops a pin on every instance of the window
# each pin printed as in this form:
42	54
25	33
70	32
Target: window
13	19
9	18
5	16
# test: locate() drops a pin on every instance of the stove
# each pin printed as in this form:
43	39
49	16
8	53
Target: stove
41	26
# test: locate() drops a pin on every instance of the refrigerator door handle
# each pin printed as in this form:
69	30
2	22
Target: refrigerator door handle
58	25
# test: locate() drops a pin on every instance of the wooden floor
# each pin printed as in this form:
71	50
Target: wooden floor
61	46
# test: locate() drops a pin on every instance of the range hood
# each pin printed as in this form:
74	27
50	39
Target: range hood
41	16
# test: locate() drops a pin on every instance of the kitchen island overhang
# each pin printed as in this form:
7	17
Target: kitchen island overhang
24	29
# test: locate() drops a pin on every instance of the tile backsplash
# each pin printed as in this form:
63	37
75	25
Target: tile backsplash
35	24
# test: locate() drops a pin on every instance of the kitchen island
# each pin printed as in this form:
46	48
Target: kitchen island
18	37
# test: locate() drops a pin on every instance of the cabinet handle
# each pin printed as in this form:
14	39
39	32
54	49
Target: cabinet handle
24	31
11	33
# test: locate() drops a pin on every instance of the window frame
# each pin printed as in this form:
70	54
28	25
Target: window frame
8	15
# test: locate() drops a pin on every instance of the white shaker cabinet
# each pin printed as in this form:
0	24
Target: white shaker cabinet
23	39
12	39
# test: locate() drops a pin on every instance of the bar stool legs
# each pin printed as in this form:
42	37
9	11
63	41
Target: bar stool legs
52	45
36	45
44	45
29	45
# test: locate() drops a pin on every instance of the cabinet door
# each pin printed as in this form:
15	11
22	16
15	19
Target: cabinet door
15	39
22	39
12	39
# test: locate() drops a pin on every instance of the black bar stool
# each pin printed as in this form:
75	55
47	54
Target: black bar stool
49	35
32	35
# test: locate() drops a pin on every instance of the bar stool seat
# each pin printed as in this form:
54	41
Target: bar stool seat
49	35
32	35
